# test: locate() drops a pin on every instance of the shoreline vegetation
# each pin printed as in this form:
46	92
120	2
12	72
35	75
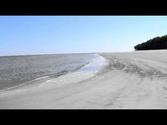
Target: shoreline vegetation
156	43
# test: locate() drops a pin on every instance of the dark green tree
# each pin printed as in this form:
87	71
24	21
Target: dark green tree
153	44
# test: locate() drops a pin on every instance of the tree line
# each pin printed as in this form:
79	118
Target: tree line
153	44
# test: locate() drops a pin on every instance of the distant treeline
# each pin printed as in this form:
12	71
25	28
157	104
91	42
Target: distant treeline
152	44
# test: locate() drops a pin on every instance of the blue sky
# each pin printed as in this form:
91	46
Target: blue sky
76	34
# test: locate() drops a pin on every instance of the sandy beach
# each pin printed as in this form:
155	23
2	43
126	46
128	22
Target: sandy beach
130	80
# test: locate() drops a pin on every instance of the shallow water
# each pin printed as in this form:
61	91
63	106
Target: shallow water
15	70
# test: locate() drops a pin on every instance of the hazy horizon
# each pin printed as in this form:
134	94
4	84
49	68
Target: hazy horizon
33	35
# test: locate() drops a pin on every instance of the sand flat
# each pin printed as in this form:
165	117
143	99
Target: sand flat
131	80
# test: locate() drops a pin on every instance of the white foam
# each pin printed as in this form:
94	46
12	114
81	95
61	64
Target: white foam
96	64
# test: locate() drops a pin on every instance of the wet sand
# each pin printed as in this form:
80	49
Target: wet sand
17	70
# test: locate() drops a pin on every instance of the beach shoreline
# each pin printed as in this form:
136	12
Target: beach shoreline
19	70
125	81
85	72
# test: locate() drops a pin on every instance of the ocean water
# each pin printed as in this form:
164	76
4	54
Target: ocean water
17	70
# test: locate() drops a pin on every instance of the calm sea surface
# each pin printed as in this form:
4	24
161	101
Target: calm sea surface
15	70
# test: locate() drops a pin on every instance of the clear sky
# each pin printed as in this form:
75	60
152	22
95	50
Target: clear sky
76	34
